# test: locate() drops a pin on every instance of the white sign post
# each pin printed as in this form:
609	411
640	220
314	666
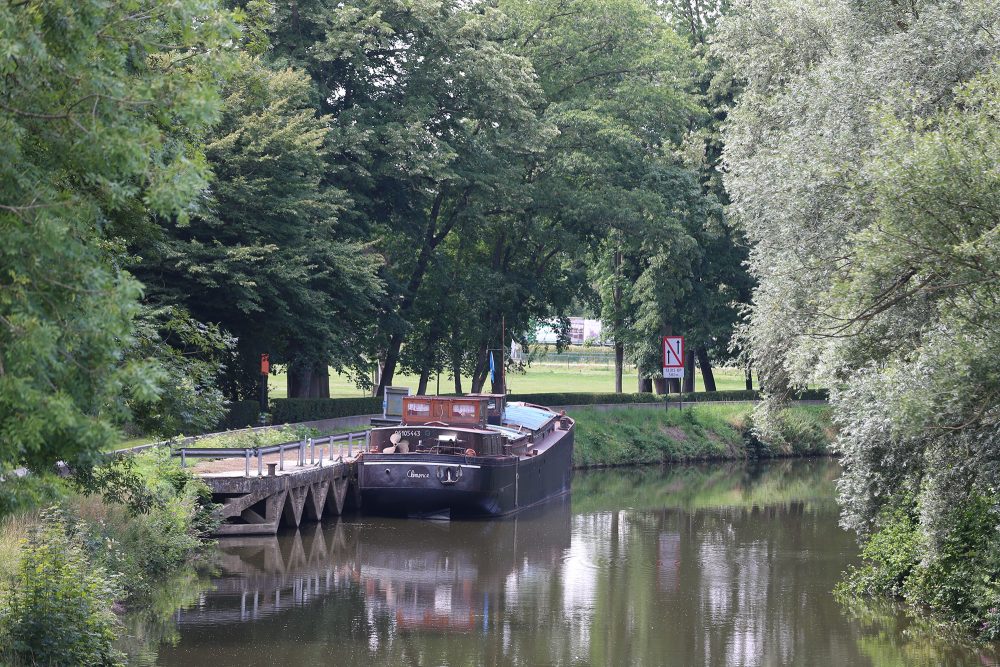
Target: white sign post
673	359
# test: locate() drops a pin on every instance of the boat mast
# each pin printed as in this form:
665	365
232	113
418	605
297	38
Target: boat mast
503	354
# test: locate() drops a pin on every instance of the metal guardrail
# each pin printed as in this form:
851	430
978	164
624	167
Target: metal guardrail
302	447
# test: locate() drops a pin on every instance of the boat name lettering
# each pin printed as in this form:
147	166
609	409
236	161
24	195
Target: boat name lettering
408	434
414	473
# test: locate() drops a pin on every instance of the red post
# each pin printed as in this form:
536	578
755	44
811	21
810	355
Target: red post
265	368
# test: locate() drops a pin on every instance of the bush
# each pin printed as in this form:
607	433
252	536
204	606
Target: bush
294	410
256	438
149	519
962	579
889	556
959	580
59	609
19	494
812	395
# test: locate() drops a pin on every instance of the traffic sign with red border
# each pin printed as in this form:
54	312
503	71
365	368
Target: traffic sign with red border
673	351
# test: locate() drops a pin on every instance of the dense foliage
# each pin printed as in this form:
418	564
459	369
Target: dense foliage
362	185
863	167
60	610
100	109
120	531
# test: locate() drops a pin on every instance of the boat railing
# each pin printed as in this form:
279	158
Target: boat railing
338	447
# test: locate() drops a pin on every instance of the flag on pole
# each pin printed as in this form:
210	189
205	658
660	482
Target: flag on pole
492	370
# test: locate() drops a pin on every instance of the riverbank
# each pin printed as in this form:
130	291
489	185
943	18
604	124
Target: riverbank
701	432
107	544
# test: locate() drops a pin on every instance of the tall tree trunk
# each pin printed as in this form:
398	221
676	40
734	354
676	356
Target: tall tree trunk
619	366
425	374
321	376
617	300
456	369
689	370
748	376
432	238
705	364
481	370
376	375
429	356
308	381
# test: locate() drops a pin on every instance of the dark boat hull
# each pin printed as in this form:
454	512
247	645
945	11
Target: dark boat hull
459	486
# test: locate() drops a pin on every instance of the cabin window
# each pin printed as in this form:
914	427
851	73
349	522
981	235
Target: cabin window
419	409
463	410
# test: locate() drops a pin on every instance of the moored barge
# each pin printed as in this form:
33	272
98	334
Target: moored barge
466	456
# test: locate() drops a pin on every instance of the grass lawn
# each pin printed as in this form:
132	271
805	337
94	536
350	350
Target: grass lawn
539	378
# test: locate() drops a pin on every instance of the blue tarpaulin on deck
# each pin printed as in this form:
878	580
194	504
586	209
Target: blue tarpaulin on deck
530	418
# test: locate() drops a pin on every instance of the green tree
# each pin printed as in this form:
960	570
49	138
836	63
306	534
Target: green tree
862	162
720	283
432	114
100	106
190	356
266	260
619	86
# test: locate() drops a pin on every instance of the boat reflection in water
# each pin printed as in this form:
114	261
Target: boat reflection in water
422	574
451	576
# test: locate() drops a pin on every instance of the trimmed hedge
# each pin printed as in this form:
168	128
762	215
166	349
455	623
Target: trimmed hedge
591	399
812	395
294	410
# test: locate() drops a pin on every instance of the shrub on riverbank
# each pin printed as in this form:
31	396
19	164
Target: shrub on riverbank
629	436
262	438
60	610
961	582
136	520
146	539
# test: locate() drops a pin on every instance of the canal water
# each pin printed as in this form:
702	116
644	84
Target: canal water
707	565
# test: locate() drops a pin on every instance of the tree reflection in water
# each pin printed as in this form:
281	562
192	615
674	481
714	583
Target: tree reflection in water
714	565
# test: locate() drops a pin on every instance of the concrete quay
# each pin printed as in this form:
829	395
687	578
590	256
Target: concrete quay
259	505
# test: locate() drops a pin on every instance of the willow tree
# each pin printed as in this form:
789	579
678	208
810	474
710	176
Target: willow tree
862	160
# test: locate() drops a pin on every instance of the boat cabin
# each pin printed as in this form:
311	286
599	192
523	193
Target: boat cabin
467	411
495	404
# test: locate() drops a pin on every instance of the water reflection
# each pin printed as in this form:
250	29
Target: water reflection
717	565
